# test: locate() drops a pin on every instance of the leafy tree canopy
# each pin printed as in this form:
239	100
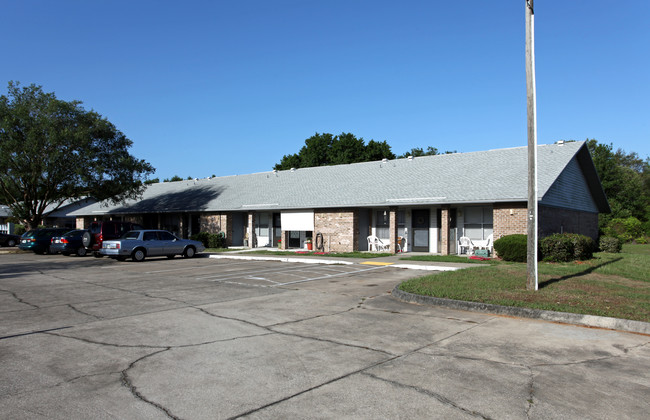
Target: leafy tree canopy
418	151
626	180
327	149
53	150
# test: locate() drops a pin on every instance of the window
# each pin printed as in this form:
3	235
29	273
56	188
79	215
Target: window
401	223
262	225
478	222
382	224
150	236
166	236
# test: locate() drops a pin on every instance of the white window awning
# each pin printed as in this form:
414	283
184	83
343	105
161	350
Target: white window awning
297	220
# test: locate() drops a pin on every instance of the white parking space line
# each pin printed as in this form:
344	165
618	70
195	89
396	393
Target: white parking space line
250	272
301	274
211	266
327	276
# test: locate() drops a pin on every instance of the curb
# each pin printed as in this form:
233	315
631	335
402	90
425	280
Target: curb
609	323
281	259
426	267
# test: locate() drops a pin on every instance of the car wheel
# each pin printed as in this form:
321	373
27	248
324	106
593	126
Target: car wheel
11	242
87	239
189	252
138	255
81	251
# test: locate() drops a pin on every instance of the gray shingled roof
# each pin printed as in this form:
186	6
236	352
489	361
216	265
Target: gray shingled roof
476	177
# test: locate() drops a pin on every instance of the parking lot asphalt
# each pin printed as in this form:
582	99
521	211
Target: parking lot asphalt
209	338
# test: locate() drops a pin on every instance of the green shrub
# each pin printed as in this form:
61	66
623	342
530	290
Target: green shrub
512	248
19	229
584	246
557	248
211	240
562	247
610	244
201	237
626	229
217	240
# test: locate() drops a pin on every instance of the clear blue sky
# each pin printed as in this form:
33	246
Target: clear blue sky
229	87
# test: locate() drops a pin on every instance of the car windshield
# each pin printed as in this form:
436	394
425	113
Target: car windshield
133	234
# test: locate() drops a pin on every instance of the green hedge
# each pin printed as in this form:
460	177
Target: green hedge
512	248
610	244
561	247
211	240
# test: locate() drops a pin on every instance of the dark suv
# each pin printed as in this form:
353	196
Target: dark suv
101	231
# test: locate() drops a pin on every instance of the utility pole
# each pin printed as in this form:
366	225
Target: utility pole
532	230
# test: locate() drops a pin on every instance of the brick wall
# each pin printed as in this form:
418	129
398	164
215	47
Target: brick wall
509	219
217	222
339	228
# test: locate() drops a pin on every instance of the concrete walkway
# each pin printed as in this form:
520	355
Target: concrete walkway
391	261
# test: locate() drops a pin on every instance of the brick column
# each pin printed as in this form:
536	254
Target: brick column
392	228
229	228
444	231
284	236
252	240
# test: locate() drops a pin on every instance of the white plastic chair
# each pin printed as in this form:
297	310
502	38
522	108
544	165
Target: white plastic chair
377	244
383	245
466	245
488	245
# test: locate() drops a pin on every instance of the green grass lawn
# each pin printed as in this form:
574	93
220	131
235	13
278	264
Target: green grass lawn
616	285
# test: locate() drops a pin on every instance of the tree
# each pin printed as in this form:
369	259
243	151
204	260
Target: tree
624	177
417	151
174	179
327	149
52	151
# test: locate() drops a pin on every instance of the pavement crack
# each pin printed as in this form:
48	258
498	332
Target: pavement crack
434	395
128	383
15	296
69	305
304	391
531	391
288	334
625	351
100	343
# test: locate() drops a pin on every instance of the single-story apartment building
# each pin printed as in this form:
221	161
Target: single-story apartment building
429	201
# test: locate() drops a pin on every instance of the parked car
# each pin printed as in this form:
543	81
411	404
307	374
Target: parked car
101	231
69	243
139	244
7	239
38	240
